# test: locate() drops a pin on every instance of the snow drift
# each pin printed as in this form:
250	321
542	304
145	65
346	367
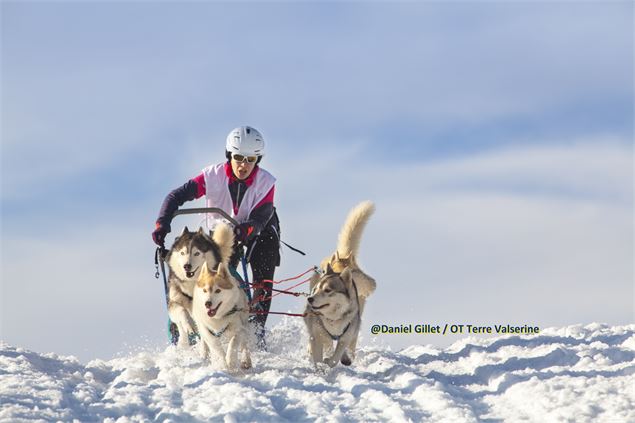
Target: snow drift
577	373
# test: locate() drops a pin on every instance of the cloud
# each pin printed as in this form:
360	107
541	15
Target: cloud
76	99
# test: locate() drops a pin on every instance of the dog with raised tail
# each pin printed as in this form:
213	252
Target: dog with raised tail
185	259
335	305
221	310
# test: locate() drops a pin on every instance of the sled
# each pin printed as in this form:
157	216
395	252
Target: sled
173	332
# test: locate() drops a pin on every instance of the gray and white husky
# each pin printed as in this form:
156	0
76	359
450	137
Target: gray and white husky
186	258
221	309
334	308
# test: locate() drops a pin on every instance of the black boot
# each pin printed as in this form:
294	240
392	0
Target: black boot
262	294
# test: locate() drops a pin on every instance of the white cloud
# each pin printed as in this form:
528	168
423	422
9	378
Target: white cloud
69	108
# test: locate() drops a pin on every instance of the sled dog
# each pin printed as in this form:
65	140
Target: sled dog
220	308
185	259
335	305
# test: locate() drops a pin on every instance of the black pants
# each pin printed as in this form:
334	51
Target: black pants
263	257
263	254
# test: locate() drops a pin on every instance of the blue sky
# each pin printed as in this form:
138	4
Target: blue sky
496	140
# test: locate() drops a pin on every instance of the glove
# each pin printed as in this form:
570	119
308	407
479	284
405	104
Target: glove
246	231
158	236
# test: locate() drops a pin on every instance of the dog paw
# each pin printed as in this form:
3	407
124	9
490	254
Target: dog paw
189	329
345	360
330	362
322	368
245	364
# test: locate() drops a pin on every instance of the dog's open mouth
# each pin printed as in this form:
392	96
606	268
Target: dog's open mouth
320	307
211	312
191	274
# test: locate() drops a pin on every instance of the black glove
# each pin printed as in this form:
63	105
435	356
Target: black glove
158	236
246	231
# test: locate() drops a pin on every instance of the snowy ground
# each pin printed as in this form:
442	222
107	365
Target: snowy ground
576	374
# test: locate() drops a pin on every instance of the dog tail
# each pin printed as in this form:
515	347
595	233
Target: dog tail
223	236
351	233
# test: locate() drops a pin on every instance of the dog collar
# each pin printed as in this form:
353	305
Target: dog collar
218	334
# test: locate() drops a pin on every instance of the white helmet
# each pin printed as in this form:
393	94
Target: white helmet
245	140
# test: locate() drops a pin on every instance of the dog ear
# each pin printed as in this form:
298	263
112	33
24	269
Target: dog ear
329	269
185	231
200	231
221	271
223	280
204	275
347	277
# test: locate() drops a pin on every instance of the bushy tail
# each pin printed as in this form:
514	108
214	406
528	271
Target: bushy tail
351	233
223	236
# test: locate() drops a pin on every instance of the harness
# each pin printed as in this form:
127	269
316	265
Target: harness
334	337
359	317
235	309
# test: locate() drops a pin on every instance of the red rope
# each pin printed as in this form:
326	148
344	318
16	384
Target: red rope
291	287
290	279
276	312
259	285
279	291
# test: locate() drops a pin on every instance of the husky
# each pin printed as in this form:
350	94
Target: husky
220	308
335	305
185	259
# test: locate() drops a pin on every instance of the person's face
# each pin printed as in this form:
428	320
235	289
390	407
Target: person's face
241	166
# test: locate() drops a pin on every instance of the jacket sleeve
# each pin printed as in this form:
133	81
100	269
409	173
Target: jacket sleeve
191	190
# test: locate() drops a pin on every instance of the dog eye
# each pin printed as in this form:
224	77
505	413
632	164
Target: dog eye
205	291
197	254
218	291
328	291
182	253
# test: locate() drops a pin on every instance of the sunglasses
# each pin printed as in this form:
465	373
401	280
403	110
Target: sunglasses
240	158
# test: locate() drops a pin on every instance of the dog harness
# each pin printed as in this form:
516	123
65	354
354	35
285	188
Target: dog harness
235	309
337	337
334	337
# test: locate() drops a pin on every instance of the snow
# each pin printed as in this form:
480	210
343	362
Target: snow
571	374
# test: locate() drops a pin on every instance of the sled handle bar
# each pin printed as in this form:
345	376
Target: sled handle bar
208	210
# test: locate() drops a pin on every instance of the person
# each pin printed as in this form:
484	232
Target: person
245	191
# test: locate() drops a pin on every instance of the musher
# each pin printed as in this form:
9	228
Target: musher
245	191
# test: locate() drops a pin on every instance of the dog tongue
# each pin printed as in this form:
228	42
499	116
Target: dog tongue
211	312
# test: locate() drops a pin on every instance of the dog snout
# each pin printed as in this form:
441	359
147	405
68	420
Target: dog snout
310	300
187	267
208	304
